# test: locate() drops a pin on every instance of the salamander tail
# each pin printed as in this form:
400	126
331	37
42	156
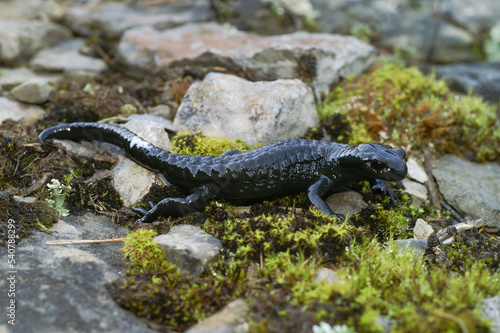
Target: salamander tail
139	149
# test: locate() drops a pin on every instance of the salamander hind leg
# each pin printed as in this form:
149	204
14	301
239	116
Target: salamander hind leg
177	207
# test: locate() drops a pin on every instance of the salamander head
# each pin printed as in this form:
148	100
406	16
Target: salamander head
373	160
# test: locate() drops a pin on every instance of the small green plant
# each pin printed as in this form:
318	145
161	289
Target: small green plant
58	193
362	31
492	44
42	227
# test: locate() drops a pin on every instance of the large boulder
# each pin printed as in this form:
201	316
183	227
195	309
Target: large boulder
471	188
318	59
226	105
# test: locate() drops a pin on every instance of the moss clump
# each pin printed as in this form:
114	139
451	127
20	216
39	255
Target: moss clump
390	282
143	253
403	107
271	260
199	144
310	232
156	290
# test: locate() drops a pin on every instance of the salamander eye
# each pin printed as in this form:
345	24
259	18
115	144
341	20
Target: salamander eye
377	164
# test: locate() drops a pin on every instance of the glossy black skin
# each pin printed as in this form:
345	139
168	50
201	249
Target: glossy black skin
278	169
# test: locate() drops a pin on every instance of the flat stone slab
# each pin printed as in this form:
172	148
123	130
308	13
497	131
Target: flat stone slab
34	91
66	57
471	188
62	288
317	58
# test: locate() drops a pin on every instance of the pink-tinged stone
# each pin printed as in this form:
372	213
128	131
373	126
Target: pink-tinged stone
327	57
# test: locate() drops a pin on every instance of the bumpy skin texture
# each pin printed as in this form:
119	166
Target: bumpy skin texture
281	168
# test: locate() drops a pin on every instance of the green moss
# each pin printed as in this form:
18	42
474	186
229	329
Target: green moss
310	232
160	293
403	107
143	253
419	298
199	144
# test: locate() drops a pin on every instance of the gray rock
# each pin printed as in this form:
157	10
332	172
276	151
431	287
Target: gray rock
481	78
414	31
491	310
190	246
66	57
327	274
30	9
112	19
319	59
83	148
167	124
164	111
471	188
402	23
339	16
21	39
473	15
346	203
418	193
417	246
230	319
34	91
62	288
416	172
11	78
226	105
24	113
422	230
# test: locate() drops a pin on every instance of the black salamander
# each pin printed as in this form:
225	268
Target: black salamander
278	169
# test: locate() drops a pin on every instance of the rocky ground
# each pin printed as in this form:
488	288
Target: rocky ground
256	72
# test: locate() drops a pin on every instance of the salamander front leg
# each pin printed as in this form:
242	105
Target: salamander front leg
379	187
177	206
316	192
